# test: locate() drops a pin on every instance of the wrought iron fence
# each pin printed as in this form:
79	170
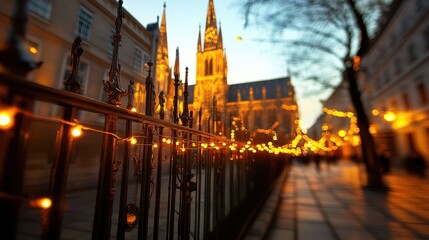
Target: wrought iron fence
202	188
131	175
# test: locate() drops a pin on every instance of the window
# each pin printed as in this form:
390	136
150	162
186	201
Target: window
272	117
84	22
257	120
287	119
411	53
209	67
146	59
406	101
41	8
422	94
138	59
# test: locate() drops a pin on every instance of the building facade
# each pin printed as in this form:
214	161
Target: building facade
51	33
52	28
396	78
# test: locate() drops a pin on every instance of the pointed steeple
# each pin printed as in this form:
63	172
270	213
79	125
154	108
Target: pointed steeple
162	62
219	39
177	64
211	15
210	35
199	48
163	36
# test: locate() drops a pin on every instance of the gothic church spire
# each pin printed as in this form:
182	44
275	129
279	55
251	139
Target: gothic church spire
211	34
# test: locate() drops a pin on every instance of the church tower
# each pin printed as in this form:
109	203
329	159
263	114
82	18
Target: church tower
211	87
163	70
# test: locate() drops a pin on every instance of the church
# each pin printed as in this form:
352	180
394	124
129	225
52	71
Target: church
265	107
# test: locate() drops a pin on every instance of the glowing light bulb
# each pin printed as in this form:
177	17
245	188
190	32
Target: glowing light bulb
389	116
133	140
76	131
42	203
6	119
133	109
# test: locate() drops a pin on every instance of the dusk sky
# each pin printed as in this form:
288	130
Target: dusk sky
248	60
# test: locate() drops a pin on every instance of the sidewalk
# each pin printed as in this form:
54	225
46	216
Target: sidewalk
331	204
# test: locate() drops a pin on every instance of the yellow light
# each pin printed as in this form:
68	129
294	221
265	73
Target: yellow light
325	127
372	130
164	140
76	131
155	145
217	148
168	141
183	149
224	144
131	218
375	112
133	109
133	140
177	143
42	203
342	133
33	50
6	119
212	144
389	116
356	63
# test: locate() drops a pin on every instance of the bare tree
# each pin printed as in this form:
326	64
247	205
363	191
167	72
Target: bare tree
325	41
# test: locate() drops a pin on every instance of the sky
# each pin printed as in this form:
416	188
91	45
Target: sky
248	60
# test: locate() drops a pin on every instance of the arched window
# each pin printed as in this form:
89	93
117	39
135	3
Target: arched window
211	66
206	69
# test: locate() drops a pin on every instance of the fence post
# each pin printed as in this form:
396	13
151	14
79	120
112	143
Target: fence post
173	169
159	168
184	216
147	158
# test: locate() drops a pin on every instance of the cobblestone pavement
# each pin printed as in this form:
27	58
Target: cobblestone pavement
331	204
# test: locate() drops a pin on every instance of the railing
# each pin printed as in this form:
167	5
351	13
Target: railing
212	190
54	182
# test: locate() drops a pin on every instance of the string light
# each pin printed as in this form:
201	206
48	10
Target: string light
42	203
133	140
6	118
76	131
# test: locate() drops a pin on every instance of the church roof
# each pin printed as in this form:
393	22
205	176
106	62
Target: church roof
244	88
152	26
270	86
